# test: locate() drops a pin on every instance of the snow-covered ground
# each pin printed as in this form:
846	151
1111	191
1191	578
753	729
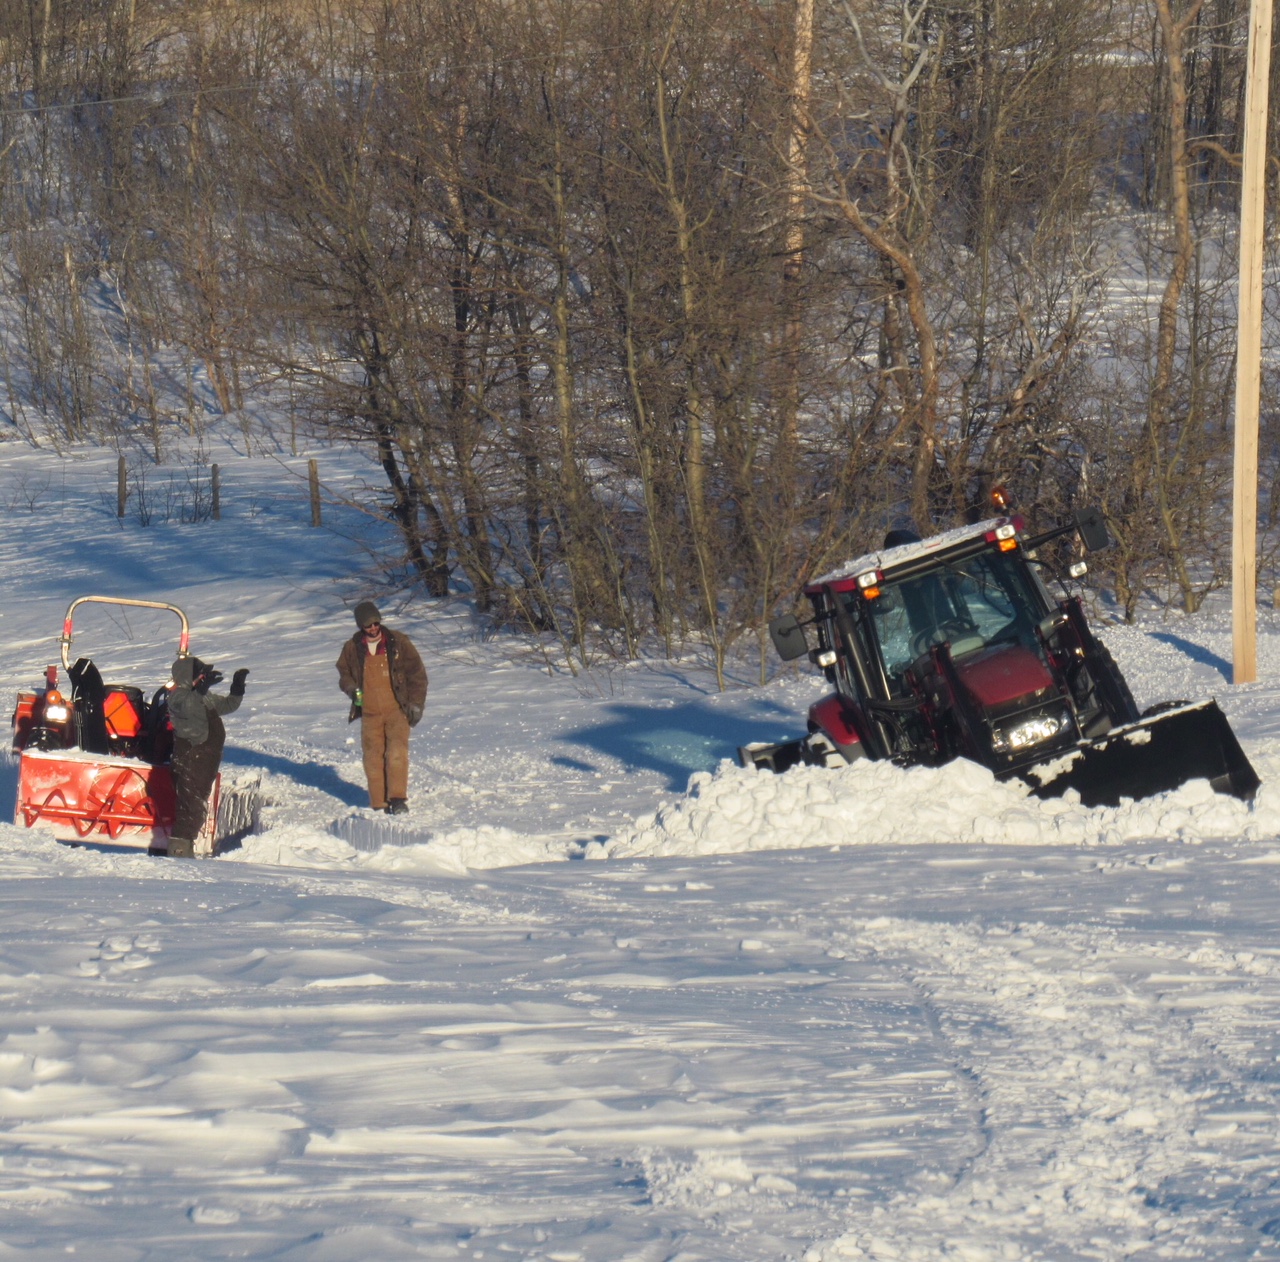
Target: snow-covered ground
597	1012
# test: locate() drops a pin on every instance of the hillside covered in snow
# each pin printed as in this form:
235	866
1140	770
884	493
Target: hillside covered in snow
602	994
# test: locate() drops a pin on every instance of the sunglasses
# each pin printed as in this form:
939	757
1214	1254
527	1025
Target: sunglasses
372	626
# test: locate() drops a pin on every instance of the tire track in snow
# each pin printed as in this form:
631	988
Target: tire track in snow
1091	1096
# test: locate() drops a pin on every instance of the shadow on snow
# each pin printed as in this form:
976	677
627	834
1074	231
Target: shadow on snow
678	740
1196	652
313	774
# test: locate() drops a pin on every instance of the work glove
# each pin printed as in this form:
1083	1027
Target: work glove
413	714
207	680
237	681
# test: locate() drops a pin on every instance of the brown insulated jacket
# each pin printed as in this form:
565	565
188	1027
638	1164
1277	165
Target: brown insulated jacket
408	674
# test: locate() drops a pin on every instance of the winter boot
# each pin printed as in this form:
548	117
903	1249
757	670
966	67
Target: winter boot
181	848
397	806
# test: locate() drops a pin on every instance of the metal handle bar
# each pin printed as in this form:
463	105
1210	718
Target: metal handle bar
184	638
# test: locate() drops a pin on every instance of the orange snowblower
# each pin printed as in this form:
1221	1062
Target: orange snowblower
94	757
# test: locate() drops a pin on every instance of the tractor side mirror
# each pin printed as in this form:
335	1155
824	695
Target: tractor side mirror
1092	528
788	638
1049	626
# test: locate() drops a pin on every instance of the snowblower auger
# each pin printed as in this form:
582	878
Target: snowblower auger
94	762
953	647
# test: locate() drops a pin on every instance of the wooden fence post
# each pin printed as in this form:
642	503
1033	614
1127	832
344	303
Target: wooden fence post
122	487
215	497
313	477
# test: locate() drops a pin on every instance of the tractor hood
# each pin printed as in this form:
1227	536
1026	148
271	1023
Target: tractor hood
1003	673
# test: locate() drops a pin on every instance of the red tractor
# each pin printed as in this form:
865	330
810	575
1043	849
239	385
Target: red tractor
94	757
954	647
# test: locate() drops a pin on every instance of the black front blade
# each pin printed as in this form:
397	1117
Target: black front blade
777	758
1152	756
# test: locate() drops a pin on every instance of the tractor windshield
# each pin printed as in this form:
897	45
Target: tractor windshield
985	599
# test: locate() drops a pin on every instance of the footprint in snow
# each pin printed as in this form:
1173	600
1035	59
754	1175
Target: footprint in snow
120	954
213	1215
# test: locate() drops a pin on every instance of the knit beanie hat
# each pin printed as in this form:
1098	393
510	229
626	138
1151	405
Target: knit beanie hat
366	612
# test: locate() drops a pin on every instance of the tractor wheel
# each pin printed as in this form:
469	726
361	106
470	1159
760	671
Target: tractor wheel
1112	690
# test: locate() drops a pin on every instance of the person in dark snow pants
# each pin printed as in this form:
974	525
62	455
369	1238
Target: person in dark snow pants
382	673
198	737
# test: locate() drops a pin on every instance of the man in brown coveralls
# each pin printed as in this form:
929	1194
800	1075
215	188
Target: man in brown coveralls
380	670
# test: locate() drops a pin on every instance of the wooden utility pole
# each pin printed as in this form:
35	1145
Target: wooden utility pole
1244	523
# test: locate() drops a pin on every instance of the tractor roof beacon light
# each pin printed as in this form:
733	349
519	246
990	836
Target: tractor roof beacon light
1000	498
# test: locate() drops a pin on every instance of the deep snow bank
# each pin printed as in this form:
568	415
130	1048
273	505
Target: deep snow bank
876	803
733	810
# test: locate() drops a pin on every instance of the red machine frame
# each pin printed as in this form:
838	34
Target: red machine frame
102	799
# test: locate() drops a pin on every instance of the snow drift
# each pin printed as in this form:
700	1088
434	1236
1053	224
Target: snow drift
866	803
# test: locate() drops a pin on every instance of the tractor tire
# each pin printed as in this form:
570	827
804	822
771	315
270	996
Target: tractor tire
1114	693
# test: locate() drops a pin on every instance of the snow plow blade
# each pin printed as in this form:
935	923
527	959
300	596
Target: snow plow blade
778	758
1154	755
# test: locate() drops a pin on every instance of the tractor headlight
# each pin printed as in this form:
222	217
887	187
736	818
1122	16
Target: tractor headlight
56	710
1029	732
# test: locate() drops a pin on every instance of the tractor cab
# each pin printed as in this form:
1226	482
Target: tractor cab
954	646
